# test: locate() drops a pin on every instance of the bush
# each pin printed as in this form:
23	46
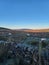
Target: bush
44	43
33	42
3	38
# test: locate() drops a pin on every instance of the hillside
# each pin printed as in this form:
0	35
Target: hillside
24	30
4	29
37	30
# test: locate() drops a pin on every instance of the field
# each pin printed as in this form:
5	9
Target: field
24	47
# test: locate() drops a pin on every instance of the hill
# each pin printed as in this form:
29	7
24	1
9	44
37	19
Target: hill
4	29
37	30
24	30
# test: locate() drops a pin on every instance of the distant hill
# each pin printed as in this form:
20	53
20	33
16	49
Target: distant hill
1	28
21	32
4	29
24	30
37	30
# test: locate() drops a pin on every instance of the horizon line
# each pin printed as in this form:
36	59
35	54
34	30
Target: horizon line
25	28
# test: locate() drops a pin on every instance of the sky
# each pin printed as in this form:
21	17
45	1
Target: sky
30	14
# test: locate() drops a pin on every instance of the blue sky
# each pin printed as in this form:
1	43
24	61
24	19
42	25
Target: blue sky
32	14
